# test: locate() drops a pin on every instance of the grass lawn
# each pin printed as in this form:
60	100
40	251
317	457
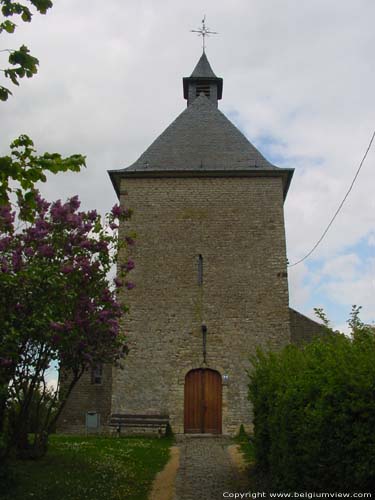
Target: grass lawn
79	468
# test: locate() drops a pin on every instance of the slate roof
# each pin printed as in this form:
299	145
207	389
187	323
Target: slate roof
203	69
201	140
201	137
203	72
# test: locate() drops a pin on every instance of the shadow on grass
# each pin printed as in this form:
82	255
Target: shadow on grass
256	480
78	468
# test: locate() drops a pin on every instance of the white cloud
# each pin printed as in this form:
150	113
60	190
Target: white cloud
358	289
298	72
342	268
371	240
299	289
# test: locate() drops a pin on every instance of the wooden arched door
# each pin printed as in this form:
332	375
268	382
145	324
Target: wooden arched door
202	409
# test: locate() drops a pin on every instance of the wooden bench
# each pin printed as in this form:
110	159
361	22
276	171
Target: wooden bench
142	423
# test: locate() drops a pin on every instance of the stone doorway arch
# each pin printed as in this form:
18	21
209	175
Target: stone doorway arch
203	402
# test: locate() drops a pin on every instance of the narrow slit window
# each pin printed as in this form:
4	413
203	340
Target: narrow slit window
200	270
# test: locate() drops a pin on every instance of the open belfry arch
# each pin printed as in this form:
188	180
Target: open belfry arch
211	276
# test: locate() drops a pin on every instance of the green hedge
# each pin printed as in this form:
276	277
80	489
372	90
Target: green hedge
314	415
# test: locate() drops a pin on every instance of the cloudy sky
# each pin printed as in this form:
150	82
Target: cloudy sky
298	81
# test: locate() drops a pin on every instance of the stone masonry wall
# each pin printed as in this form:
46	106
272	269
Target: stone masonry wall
237	225
303	329
87	397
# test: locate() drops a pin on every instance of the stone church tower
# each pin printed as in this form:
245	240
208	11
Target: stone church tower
210	266
211	275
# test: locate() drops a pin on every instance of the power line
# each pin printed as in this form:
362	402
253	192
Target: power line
339	208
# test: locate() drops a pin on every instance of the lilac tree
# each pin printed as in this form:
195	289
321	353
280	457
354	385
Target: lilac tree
56	305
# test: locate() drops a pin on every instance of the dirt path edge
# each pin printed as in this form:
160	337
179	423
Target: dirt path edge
163	487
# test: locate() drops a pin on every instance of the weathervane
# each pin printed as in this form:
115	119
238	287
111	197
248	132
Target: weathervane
203	32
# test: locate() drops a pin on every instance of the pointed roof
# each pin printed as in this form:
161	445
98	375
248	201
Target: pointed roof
202	73
203	69
202	142
202	139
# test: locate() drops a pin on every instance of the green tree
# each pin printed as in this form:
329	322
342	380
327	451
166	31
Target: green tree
314	412
23	168
21	62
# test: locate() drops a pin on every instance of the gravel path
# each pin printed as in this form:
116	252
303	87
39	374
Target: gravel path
206	470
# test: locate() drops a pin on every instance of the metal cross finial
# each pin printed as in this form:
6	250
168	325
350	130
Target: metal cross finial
203	32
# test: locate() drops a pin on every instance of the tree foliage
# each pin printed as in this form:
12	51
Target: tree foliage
23	168
22	63
56	304
314	413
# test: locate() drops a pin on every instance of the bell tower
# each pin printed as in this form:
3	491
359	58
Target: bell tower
210	275
203	81
201	192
